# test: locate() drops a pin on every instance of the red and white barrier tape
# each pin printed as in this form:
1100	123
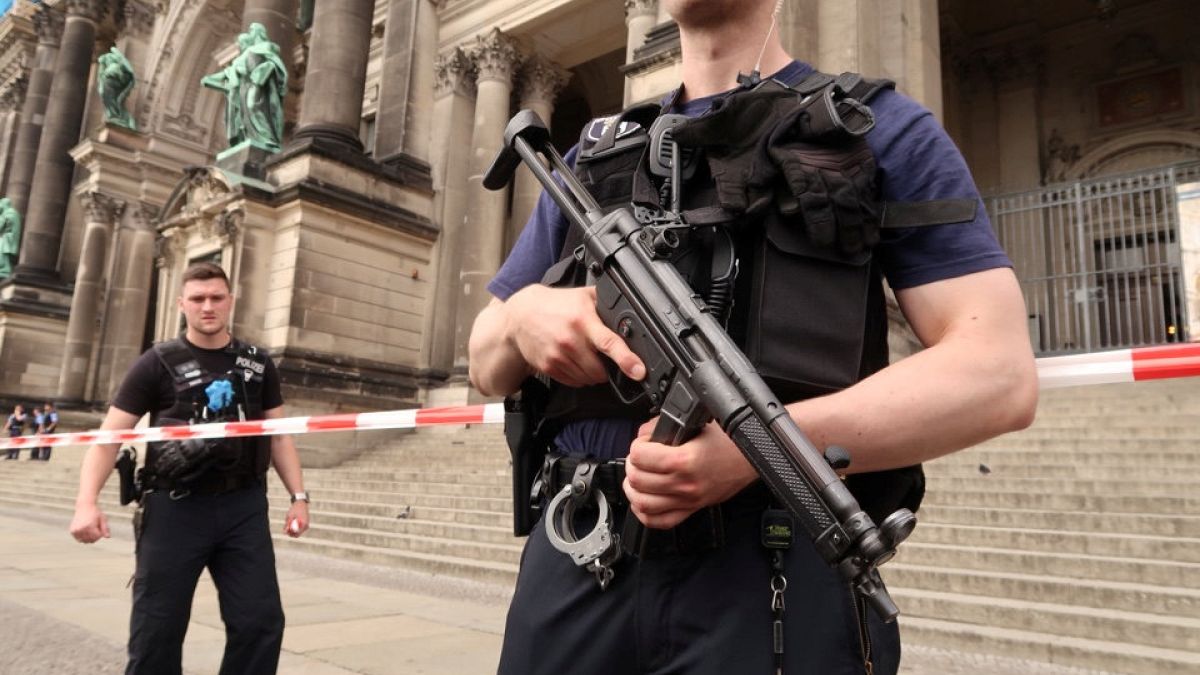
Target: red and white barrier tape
1125	365
492	413
1122	365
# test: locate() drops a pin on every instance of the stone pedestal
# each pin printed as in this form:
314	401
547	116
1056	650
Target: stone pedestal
33	324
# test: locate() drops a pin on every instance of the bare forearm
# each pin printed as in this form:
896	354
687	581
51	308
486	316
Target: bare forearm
928	405
286	460
98	463
976	380
496	365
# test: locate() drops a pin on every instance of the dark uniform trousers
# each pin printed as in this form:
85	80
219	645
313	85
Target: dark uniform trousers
230	534
705	613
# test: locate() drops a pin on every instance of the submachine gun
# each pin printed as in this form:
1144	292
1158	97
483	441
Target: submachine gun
695	372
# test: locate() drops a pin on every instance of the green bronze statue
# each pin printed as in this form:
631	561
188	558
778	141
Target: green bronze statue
254	84
115	80
10	237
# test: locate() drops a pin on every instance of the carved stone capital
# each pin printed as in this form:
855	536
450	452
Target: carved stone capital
636	8
102	208
455	74
145	216
87	9
169	247
226	225
1012	64
496	55
139	17
12	97
542	79
48	22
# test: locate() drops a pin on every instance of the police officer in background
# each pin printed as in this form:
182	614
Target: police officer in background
801	204
204	503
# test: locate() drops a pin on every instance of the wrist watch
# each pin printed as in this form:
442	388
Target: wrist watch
300	497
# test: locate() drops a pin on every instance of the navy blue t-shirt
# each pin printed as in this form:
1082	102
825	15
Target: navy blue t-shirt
916	160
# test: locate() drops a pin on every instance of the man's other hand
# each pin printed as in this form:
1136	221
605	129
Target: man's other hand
667	484
89	524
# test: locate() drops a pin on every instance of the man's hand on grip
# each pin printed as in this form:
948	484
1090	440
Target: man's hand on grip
558	333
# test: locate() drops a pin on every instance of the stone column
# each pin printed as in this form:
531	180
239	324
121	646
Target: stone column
102	212
49	24
496	56
128	299
55	169
449	163
540	83
337	72
279	18
910	51
1019	133
848	36
404	123
640	17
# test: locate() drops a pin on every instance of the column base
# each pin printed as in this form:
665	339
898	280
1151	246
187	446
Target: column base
331	135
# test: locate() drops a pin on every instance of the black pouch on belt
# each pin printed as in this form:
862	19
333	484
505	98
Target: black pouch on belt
125	467
523	418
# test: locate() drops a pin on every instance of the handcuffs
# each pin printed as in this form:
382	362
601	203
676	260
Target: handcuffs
598	550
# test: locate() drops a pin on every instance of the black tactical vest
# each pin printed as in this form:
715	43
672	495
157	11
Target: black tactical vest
246	456
811	318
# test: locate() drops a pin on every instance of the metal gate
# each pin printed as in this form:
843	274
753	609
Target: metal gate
1098	260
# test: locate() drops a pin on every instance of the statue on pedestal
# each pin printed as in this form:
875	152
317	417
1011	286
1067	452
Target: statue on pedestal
10	237
114	80
254	84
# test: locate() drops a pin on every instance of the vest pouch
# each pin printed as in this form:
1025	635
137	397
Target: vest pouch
809	306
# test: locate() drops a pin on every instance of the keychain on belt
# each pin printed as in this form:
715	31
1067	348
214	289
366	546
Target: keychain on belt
777	528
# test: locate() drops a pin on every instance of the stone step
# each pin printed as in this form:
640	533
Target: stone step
1081	471
1081	622
1085	521
1049	563
1131	444
452	548
1019	498
408	525
1100	455
1176	485
1102	429
1089	419
324	483
479	570
1126	596
1102	655
499	478
1182	549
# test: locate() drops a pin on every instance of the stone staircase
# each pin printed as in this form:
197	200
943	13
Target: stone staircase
1076	542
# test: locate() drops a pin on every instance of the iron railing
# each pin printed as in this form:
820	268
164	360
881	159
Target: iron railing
1098	260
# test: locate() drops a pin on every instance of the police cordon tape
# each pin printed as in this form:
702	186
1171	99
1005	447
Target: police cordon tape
1122	365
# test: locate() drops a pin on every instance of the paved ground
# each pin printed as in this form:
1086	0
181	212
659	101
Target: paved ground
64	610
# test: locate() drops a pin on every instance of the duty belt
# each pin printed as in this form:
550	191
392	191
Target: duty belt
215	483
571	483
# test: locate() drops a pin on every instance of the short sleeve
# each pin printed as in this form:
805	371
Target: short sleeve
919	162
272	396
536	249
141	390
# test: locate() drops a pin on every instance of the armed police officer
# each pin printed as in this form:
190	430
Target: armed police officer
204	503
800	192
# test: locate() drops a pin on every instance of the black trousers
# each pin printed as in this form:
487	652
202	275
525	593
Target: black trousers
695	614
230	535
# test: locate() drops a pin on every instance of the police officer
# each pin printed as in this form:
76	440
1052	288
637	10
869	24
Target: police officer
816	217
204	503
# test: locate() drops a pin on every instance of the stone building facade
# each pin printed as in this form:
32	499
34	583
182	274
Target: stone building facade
360	252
